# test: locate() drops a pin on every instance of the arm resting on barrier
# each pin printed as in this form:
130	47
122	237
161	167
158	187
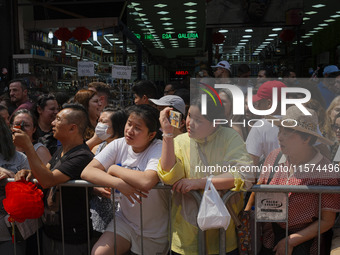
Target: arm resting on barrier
95	172
142	180
221	182
326	222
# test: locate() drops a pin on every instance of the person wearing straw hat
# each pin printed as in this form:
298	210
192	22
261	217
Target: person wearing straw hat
299	163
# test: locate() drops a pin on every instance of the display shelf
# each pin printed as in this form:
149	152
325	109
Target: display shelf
31	56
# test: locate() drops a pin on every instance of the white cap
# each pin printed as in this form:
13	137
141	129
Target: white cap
223	64
171	100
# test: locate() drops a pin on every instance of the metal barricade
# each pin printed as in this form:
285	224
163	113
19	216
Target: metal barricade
286	189
198	197
87	185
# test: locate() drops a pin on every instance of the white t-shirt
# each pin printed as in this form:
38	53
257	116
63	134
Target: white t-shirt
155	206
262	140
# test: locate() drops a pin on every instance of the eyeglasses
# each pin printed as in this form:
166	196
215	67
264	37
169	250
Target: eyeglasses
335	127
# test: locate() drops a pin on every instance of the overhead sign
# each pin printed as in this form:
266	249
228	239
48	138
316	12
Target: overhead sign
85	68
168	36
121	72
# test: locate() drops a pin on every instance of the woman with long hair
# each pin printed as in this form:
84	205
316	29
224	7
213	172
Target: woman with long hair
27	122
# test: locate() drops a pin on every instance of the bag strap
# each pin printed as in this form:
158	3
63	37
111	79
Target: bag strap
207	185
276	163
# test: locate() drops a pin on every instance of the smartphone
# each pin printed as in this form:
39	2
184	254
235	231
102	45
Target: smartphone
175	118
20	126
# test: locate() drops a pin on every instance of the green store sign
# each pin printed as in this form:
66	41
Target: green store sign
168	36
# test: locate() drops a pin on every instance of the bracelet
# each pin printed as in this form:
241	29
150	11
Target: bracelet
168	135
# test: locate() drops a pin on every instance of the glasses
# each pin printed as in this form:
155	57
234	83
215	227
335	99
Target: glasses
335	127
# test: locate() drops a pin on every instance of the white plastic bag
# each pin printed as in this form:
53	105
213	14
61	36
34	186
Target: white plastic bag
212	213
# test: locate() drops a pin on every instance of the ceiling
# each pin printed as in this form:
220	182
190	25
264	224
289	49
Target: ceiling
163	26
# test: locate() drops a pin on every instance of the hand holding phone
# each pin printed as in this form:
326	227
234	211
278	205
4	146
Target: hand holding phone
175	118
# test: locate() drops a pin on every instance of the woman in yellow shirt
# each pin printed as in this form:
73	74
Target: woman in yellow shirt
184	164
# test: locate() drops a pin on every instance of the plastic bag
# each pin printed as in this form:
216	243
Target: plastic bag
212	213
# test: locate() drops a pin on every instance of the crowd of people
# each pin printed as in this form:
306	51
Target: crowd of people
56	139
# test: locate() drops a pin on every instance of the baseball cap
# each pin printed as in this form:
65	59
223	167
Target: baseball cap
223	64
330	69
171	100
265	91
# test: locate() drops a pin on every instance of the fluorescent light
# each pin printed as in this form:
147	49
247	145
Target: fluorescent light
329	20
191	32
318	5
277	29
270	39
242	43
266	43
191	23
305	36
138	9
309	34
244	40
313	31
107	41
162	12
160	5
311	13
318	28
165	18
94	34
323	25
169	28
190	4
272	35
247	36
192	27
305	18
248	30
223	31
167	24
191	17
335	16
191	11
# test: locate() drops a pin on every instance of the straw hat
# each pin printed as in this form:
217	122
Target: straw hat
304	123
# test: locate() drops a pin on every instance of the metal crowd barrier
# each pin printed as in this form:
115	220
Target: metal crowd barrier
286	189
198	197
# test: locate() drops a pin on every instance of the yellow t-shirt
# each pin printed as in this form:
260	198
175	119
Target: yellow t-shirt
223	148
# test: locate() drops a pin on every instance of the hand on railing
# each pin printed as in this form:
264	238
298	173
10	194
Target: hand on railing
24	175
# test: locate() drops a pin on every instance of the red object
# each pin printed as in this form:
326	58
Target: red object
63	34
287	35
81	34
218	38
23	201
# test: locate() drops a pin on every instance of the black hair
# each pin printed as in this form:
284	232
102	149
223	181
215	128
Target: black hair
34	120
118	120
149	114
286	73
145	87
42	102
213	111
22	82
243	69
184	94
7	148
62	98
78	116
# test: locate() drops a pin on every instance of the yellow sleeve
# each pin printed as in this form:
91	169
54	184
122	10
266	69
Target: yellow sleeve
176	173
